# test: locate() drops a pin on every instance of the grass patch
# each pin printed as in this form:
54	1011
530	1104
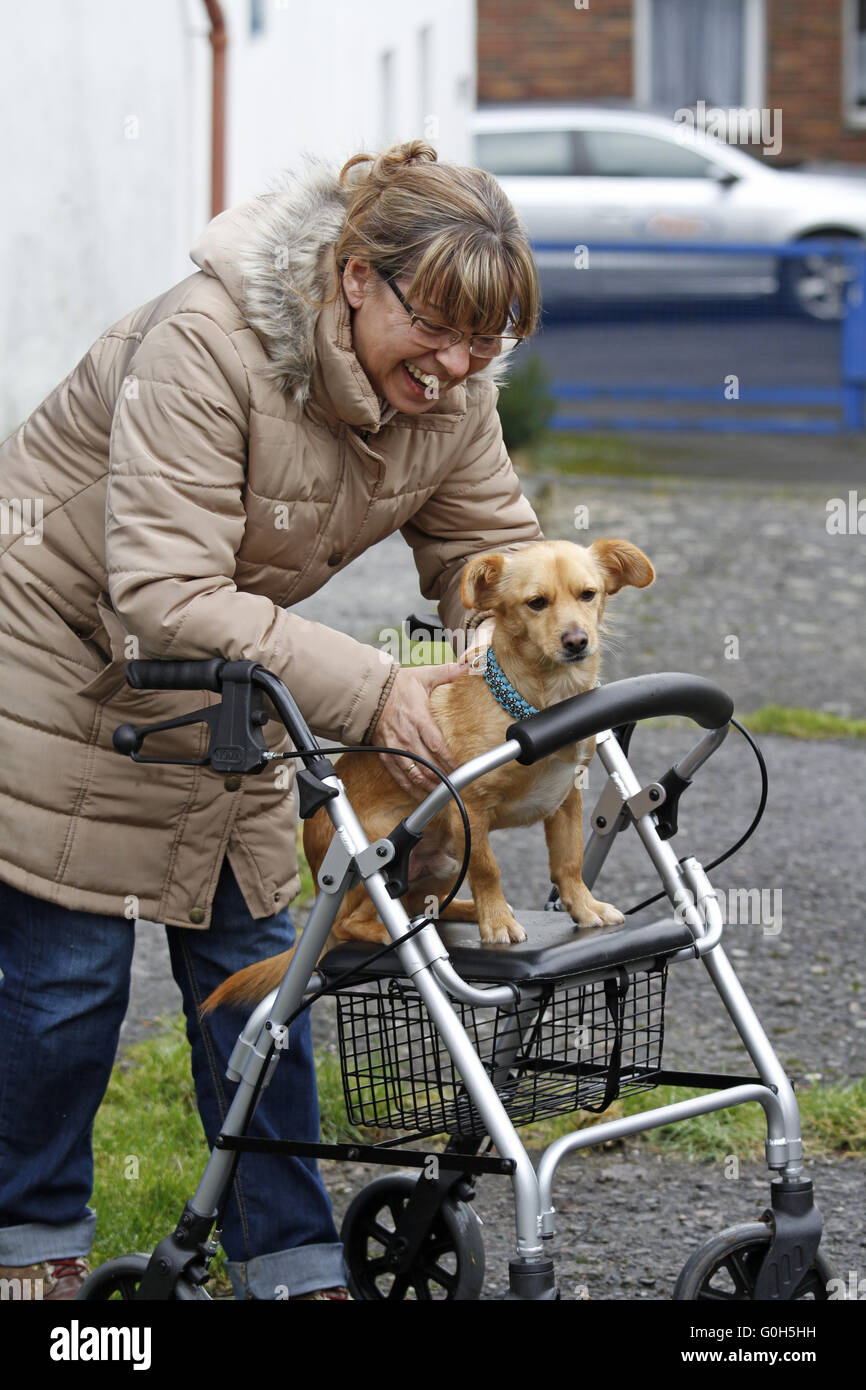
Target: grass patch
833	1119
150	1149
614	454
794	722
790	721
427	653
149	1146
334	1124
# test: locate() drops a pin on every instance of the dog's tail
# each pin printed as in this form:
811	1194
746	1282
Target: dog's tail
251	984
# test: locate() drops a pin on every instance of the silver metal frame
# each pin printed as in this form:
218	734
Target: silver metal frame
424	960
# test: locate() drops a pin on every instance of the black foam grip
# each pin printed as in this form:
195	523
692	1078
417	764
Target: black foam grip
175	675
621	702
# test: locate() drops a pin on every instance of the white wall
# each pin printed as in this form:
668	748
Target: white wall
321	66
100	175
105	113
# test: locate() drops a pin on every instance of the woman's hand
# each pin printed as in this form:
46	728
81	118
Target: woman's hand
406	722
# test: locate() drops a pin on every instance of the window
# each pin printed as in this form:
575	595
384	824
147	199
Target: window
427	121
686	51
386	97
257	17
627	154
855	62
532	152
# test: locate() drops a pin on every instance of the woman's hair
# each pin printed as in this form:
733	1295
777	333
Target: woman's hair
450	230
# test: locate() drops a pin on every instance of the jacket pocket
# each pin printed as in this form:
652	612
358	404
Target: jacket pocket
111	680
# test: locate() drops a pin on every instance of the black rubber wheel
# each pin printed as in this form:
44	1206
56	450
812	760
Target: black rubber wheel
725	1269
449	1265
118	1279
816	284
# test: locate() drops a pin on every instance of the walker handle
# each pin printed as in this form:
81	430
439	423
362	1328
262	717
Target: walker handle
176	675
622	702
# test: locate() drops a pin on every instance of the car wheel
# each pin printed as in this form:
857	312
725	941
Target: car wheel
816	284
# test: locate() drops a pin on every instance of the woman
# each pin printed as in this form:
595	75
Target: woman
215	457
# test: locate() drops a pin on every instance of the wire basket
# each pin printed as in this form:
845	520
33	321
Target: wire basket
570	1047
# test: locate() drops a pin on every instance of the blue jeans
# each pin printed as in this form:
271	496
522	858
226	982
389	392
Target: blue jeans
62	1001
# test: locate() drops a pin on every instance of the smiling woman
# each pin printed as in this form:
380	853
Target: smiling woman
450	231
216	456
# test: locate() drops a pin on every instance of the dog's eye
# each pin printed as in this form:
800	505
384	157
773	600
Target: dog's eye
587	596
536	604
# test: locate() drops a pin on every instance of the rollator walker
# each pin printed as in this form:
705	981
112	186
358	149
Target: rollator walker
443	1037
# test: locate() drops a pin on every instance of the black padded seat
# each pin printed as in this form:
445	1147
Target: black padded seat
555	949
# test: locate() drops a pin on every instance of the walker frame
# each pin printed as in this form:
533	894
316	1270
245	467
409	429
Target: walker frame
775	1259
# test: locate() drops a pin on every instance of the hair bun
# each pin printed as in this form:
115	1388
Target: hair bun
411	152
385	167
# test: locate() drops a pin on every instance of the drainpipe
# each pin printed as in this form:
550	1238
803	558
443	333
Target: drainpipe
218	42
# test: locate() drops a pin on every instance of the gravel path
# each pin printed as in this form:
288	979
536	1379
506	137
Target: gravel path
752	590
768	603
628	1219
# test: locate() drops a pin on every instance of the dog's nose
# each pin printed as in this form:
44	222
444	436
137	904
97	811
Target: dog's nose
574	641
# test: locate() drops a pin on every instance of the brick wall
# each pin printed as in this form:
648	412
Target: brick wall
804	65
546	50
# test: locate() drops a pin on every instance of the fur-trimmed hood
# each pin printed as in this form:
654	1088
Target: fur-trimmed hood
274	256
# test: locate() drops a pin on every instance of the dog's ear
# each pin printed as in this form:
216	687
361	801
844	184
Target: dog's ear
622	564
479	587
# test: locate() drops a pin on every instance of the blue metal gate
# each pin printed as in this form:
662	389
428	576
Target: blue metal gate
847	398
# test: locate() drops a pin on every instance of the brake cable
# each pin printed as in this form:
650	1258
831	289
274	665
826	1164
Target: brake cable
765	782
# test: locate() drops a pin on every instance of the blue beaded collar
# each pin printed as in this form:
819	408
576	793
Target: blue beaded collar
501	688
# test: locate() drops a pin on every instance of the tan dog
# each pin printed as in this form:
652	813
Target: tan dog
548	601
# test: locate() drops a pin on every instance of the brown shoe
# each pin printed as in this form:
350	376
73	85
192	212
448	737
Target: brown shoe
66	1277
52	1280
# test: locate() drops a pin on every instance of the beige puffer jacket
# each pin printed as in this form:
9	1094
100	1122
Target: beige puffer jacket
214	458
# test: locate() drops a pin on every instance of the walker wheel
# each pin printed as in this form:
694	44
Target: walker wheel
726	1268
118	1279
449	1264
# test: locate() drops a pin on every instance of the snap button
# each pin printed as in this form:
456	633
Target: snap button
335	559
196	914
232	783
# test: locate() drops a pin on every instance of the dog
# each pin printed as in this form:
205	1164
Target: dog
548	602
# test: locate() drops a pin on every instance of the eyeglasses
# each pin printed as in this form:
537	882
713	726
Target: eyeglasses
437	336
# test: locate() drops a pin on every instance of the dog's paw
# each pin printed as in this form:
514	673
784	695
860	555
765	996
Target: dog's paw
502	929
610	915
588	911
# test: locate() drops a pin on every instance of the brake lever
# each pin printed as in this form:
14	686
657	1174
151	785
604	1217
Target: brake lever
237	743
